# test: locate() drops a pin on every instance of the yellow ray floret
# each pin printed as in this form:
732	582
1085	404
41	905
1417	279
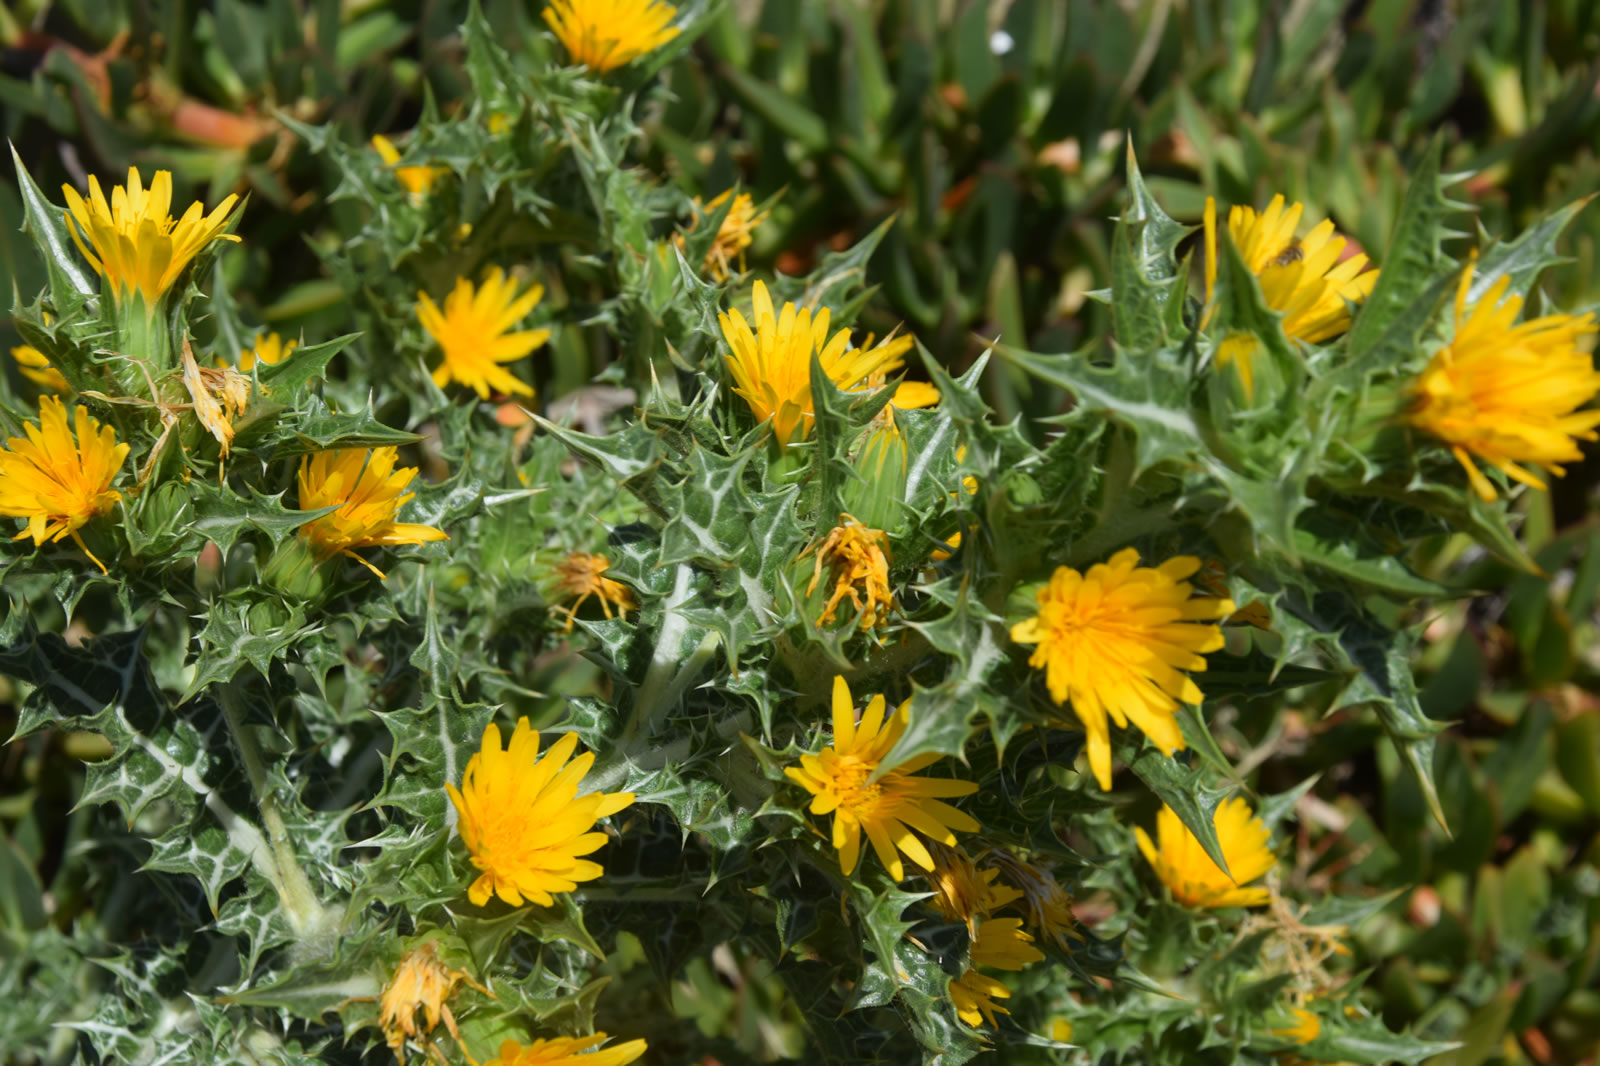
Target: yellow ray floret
892	810
1188	872
962	892
1509	393
368	492
734	235
568	1051
133	241
1116	641
420	982
416	179
771	365
523	821
58	483
1306	1028
473	332
581	576
35	366
606	34
1000	944
268	348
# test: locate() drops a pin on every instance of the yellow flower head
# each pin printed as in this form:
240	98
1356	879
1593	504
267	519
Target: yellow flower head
472	332
420	982
581	575
136	244
1306	1028
1000	944
1188	871
269	348
771	366
964	893
568	1051
857	562
417	180
523	820
1509	393
37	369
606	34
890	808
1116	640
733	236
368	492
58	483
1048	906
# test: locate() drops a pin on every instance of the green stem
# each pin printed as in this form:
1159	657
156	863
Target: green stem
288	877
667	678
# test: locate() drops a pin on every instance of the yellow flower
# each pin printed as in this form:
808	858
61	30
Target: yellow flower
771	366
368	492
1301	277
854	556
1000	944
1509	393
1116	642
417	180
962	892
733	236
1188	871
606	34
890	808
136	244
523	820
1306	1028
57	483
568	1051
420	982
218	397
472	331
269	348
582	575
37	369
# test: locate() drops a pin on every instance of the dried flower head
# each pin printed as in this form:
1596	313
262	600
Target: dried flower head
368	492
581	575
472	331
771	365
892	809
857	561
1116	640
58	483
568	1051
606	34
420	982
1046	903
1188	872
734	235
964	893
218	397
136	245
523	821
1509	393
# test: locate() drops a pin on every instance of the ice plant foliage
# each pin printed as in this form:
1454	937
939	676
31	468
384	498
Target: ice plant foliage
523	821
367	492
888	803
56	482
474	332
1509	394
606	34
133	241
1188	872
1118	642
771	364
581	576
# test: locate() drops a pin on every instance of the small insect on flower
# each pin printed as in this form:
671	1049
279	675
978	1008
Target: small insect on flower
568	1051
1188	872
582	575
1116	640
418	180
734	235
420	982
268	348
857	561
1002	945
368	492
891	810
58	483
523	821
1509	393
472	331
136	245
606	34
771	365
962	892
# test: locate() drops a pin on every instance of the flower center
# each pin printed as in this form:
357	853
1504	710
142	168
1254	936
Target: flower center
850	785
